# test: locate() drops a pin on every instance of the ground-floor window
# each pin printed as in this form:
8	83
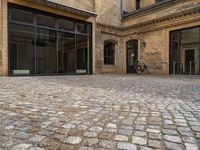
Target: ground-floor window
42	43
184	56
109	53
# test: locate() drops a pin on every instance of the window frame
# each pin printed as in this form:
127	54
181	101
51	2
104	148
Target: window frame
109	59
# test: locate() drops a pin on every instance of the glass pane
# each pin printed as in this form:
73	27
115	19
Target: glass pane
46	51
66	25
82	28
45	21
82	54
189	50
21	49
21	16
66	52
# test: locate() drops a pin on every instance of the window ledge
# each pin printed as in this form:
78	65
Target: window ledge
110	66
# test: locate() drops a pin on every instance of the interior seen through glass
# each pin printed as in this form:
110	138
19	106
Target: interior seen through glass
185	51
47	44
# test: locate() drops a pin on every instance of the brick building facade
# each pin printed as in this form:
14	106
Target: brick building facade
164	34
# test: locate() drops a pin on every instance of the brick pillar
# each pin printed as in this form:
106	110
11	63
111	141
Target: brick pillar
0	39
4	33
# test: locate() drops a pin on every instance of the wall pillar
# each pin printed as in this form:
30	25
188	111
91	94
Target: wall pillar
4	41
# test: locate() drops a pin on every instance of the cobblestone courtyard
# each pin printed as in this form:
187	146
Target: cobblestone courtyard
100	112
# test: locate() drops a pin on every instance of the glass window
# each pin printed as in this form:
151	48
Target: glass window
66	52
66	25
45	21
137	4
48	47
82	28
82	47
21	49
45	51
109	53
21	16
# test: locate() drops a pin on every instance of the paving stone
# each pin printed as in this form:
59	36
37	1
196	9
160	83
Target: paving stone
21	147
90	134
126	146
154	143
69	126
188	139
175	139
64	146
173	146
170	132
96	129
36	139
191	146
139	140
145	148
125	132
155	136
110	130
91	142
22	135
72	140
48	143
111	125
106	136
86	148
140	133
153	130
107	144
121	138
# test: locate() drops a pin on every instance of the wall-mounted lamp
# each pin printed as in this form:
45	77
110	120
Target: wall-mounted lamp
144	44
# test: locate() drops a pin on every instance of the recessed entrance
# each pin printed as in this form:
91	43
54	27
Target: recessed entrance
189	62
185	51
45	44
132	55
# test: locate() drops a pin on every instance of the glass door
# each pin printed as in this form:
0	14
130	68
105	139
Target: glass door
82	54
132	55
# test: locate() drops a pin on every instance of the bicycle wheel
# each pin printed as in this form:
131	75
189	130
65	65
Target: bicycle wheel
139	70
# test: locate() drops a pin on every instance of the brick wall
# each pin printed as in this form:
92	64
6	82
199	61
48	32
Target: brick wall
109	12
86	4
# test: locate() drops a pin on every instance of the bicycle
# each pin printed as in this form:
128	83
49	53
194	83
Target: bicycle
141	68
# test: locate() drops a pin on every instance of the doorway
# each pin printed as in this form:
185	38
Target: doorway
184	54
132	55
189	62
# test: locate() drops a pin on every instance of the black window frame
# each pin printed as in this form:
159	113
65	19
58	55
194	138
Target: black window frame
109	53
35	12
137	4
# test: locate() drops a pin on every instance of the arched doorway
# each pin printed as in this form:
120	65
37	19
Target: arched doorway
131	55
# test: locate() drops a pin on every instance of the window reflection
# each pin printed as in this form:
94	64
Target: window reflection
82	48
46	51
21	49
47	44
66	52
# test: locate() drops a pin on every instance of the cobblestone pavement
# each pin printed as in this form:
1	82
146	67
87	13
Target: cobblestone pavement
100	112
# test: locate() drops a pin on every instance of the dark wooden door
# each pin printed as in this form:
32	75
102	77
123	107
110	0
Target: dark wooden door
132	55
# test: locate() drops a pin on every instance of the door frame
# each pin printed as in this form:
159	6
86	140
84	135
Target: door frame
185	51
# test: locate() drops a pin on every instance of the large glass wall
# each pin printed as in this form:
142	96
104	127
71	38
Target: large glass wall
42	43
185	51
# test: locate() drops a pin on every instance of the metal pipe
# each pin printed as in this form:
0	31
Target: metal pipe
174	67
181	68
191	62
